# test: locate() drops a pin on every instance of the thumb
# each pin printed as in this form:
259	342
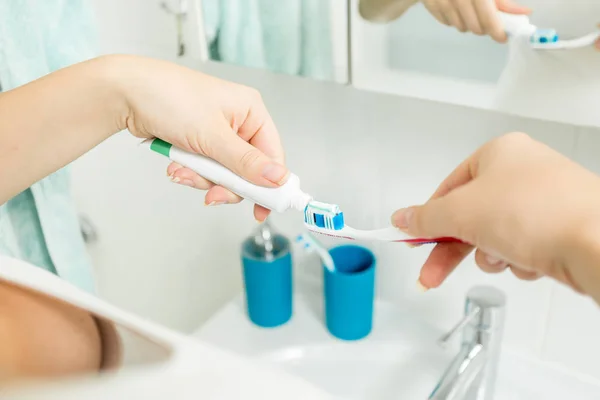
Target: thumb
245	160
441	217
510	7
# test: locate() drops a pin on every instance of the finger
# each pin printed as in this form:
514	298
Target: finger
172	168
243	158
464	173
260	213
260	131
511	7
187	177
453	215
218	195
452	16
434	9
525	275
489	264
490	20
470	18
598	41
444	258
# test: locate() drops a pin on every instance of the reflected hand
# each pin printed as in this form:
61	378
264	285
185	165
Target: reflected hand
522	205
475	16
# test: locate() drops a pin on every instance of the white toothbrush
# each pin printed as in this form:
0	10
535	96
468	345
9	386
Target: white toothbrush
327	219
543	39
310	244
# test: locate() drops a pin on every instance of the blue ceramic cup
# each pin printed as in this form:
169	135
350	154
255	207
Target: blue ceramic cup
349	292
268	283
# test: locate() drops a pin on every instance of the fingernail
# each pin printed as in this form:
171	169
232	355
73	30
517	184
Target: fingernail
422	288
275	173
215	203
402	218
174	179
493	261
187	182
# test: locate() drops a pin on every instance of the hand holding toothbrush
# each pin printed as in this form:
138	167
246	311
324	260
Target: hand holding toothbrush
523	206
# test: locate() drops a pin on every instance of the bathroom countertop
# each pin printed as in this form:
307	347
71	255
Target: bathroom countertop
399	358
305	327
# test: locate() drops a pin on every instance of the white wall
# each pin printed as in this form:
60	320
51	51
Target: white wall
165	256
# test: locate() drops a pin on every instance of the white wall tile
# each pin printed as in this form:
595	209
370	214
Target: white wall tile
573	332
574	324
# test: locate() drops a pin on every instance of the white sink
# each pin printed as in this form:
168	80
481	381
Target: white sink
399	360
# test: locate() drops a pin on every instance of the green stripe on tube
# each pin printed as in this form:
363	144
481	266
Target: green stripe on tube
161	147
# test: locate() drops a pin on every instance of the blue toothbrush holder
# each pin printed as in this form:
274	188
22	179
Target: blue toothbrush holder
267	273
350	292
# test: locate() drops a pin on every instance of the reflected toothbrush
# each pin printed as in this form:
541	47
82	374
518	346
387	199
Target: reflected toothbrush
328	219
543	39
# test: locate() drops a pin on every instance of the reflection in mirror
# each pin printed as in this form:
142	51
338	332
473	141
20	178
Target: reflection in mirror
295	37
411	53
420	43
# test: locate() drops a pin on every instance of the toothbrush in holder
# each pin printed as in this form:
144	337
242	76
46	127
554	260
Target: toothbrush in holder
319	217
311	245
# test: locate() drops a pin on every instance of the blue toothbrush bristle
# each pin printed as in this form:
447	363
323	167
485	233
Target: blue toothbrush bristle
543	36
323	215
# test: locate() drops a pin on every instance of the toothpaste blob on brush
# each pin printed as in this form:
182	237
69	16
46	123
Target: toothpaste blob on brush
328	219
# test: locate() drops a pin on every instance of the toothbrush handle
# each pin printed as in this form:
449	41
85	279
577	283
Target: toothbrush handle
272	198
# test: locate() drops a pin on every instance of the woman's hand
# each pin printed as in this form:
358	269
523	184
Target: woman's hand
476	16
598	41
222	120
49	122
523	206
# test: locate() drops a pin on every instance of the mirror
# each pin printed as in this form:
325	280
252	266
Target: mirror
306	38
417	56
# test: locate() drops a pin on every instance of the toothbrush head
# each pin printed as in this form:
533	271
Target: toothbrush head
324	215
306	242
311	245
544	36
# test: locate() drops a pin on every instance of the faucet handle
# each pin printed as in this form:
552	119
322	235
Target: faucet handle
448	336
485	303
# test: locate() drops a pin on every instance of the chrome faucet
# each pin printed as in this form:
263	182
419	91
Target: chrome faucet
472	373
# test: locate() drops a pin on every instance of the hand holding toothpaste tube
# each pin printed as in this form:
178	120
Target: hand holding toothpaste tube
523	206
223	120
476	16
